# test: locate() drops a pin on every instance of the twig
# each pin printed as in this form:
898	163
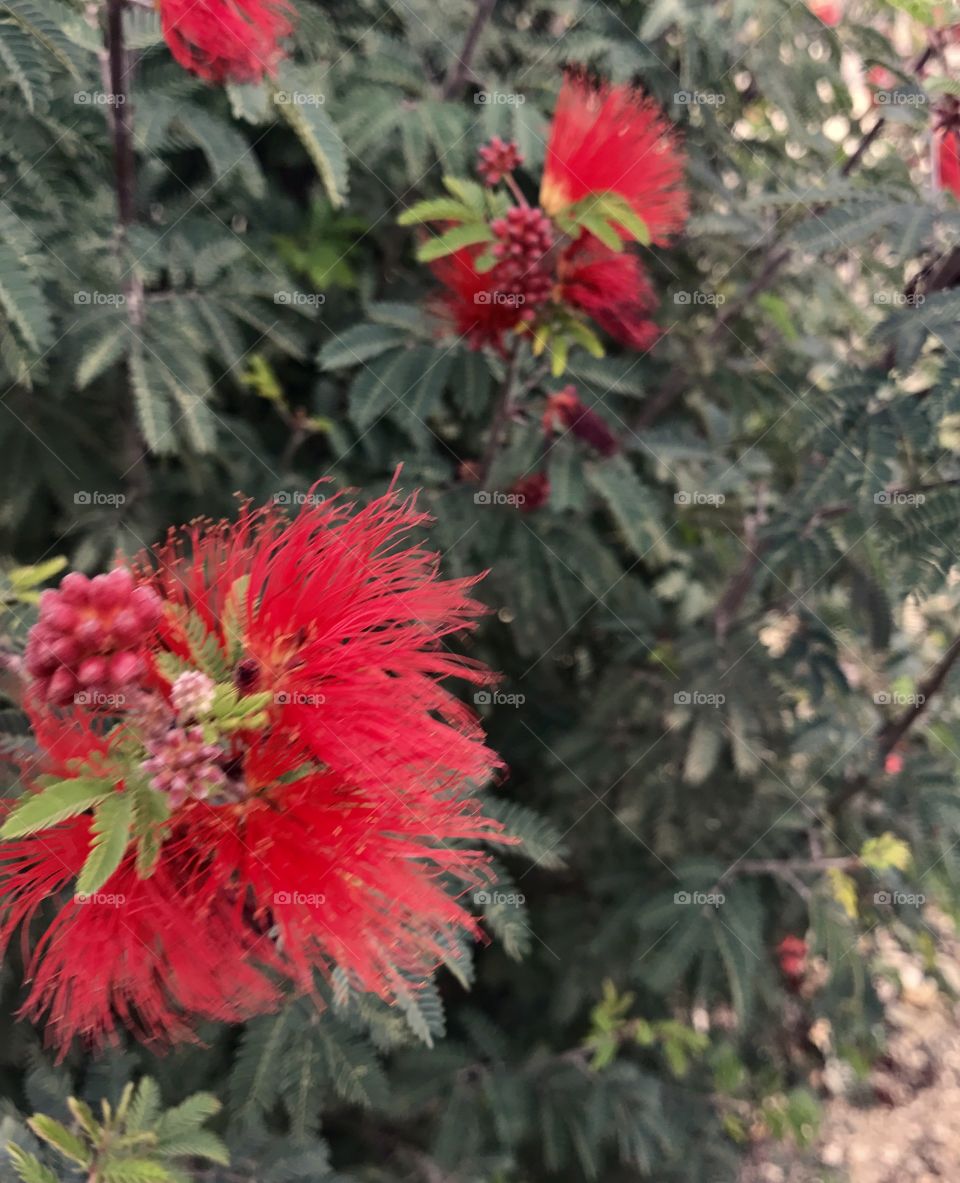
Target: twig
864	144
124	163
891	734
762	281
788	868
500	416
136	476
881	123
460	68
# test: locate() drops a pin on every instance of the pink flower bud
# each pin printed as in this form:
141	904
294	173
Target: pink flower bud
147	605
41	659
112	589
126	629
92	670
75	588
90	633
66	650
62	687
126	668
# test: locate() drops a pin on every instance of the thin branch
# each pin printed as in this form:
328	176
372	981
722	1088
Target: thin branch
789	868
501	414
124	162
891	734
881	123
459	70
137	478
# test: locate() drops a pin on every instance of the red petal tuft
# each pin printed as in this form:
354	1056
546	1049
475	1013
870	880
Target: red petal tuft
612	288
226	40
614	139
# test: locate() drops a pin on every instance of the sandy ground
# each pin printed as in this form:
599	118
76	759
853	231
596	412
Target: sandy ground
908	1131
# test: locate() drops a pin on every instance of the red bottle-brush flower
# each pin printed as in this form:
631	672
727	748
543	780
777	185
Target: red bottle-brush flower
612	288
471	302
227	40
948	161
566	412
792	957
532	492
288	783
613	139
946	131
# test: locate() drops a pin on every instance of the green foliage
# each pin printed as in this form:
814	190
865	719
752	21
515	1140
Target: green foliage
134	1142
55	803
702	638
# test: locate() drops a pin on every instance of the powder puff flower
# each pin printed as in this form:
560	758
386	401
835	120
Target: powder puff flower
287	789
226	40
613	139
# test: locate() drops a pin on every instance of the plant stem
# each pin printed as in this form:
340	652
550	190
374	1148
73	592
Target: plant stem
460	69
124	163
501	414
135	476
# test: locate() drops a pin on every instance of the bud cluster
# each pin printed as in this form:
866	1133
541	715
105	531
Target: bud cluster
90	635
498	159
182	764
524	238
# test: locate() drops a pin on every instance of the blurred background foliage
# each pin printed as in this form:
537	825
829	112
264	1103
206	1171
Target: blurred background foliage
716	641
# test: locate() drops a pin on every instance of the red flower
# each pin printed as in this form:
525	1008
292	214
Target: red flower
792	956
226	40
566	411
610	287
324	831
472	304
613	139
948	161
533	492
